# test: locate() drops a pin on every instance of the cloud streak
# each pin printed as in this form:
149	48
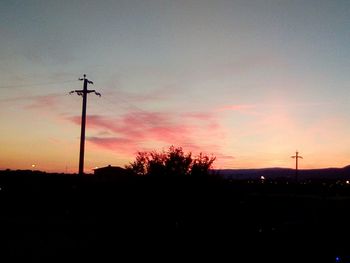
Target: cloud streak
237	107
136	131
43	102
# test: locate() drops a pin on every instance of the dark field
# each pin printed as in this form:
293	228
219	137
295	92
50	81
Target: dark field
52	218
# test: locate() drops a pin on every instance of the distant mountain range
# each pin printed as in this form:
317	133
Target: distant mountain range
285	173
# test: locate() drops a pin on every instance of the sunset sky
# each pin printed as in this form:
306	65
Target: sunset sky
249	81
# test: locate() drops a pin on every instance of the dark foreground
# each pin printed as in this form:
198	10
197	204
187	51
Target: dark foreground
60	218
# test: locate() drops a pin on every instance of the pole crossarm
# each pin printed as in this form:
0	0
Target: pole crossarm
297	156
83	93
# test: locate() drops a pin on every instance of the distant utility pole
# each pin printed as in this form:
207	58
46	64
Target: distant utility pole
83	93
296	157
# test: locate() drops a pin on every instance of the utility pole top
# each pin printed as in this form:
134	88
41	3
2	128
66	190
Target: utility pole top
297	155
84	92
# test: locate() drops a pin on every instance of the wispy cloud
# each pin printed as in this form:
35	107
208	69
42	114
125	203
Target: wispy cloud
152	95
203	116
43	102
137	130
237	107
122	145
28	98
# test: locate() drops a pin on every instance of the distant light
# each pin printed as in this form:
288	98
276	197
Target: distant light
262	177
33	165
347	182
337	259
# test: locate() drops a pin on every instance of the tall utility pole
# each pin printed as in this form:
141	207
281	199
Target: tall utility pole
296	157
84	92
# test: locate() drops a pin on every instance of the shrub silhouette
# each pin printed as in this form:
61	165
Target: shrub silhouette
202	164
173	162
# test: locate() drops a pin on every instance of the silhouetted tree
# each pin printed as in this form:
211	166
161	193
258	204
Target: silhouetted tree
156	163
139	166
173	162
202	164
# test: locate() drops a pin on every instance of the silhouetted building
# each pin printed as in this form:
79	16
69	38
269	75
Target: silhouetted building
111	171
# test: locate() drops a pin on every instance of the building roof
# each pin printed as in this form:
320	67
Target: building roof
111	170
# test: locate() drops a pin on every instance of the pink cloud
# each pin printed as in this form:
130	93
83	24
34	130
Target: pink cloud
123	145
132	131
236	107
141	126
35	101
41	102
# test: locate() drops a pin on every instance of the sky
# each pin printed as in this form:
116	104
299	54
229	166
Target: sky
249	81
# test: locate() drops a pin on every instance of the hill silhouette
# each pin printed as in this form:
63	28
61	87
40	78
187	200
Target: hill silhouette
286	173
